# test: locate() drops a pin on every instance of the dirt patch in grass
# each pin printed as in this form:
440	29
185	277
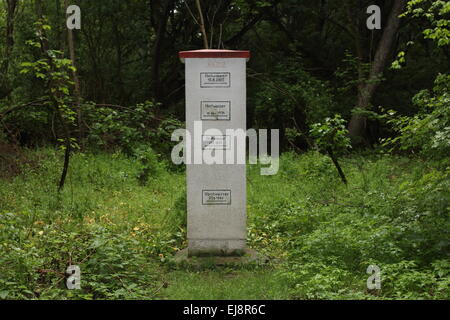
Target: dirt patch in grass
13	159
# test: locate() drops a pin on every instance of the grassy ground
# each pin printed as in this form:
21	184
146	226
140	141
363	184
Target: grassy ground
320	234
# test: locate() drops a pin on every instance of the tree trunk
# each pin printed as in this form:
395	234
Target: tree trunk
11	10
336	164
357	125
44	50
202	25
76	80
163	17
12	6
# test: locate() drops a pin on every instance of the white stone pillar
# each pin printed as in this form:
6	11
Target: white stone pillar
216	193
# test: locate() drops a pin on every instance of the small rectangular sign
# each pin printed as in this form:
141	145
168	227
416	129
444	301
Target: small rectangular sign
215	110
215	142
215	79
216	197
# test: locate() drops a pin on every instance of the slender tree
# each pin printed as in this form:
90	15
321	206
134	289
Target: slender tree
76	80
11	10
53	89
367	88
160	17
202	24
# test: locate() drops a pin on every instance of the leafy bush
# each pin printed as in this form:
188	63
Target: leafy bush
331	134
321	235
427	132
149	166
126	129
394	211
331	137
35	256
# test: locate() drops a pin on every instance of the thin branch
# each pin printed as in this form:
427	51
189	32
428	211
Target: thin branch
192	15
212	23
220	37
202	25
244	29
340	25
32	103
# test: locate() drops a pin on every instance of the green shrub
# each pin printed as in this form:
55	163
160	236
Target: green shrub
428	131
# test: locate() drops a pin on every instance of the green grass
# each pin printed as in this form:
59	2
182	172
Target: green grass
320	234
225	284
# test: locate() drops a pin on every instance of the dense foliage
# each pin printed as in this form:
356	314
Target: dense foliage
310	60
94	110
320	235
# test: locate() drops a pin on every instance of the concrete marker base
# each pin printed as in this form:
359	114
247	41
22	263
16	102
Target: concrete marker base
249	256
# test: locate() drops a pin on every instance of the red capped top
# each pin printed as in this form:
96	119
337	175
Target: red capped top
214	53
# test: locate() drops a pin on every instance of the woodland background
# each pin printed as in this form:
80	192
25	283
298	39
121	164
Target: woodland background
86	118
